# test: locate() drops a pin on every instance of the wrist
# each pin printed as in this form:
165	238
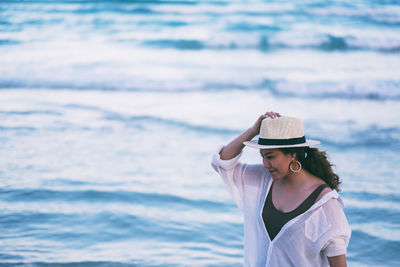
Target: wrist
252	133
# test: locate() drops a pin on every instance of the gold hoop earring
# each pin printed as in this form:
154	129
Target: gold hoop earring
297	162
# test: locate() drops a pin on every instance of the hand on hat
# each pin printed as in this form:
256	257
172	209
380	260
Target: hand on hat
256	126
234	147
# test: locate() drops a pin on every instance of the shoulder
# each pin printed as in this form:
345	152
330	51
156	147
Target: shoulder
333	208
324	191
336	218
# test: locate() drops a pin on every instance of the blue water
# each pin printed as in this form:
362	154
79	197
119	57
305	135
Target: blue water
110	112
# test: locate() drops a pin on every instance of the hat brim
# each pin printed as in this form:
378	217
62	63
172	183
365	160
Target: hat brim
254	143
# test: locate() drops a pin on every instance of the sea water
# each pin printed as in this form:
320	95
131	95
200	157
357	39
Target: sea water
110	112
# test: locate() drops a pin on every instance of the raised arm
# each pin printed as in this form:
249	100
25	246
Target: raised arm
232	149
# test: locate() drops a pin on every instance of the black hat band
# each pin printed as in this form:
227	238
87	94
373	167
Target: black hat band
279	142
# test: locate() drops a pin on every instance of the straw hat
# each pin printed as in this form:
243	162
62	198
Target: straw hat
281	132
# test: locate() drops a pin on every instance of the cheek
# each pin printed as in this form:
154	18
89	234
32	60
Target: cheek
281	165
265	162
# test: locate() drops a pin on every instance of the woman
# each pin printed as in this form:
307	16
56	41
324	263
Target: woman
293	214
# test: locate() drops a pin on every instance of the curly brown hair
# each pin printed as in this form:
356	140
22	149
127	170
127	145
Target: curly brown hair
316	162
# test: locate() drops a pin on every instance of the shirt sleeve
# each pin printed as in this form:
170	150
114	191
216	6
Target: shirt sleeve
336	239
231	172
335	247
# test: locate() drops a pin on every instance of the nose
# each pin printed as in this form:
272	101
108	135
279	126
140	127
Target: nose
267	163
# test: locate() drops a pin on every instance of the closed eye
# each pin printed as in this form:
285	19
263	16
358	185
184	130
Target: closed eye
267	156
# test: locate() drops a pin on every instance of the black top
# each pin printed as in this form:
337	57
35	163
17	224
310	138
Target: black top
274	219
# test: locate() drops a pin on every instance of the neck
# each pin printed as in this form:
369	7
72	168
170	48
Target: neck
297	179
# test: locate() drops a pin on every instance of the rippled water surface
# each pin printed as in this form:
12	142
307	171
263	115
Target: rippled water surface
110	112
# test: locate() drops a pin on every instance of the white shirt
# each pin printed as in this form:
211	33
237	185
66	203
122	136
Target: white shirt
306	240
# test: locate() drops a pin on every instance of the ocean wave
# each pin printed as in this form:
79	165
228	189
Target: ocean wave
374	90
92	196
30	112
135	120
331	42
62	85
387	15
11	260
377	136
351	137
94	233
167	23
139	122
260	41
264	43
369	196
234	26
249	27
9	42
357	90
371	136
372	215
370	245
177	44
18	128
87	8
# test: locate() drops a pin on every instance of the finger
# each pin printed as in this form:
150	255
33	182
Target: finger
272	114
277	114
268	115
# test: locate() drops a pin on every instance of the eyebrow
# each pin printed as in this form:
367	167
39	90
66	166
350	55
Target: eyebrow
266	153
